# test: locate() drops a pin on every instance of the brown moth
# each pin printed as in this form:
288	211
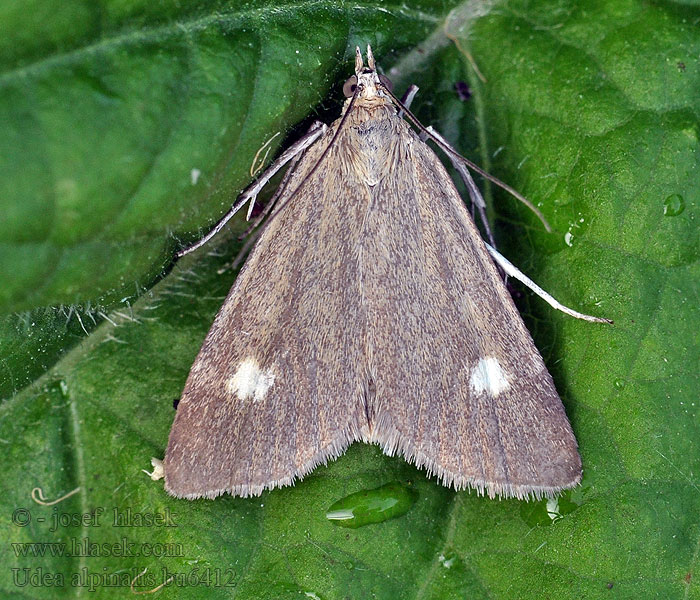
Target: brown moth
370	309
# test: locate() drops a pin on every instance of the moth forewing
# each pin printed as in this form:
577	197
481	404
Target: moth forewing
279	327
370	310
460	386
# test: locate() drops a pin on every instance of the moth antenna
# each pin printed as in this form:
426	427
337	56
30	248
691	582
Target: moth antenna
450	150
514	272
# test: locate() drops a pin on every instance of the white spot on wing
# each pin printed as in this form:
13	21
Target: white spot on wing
249	381
489	376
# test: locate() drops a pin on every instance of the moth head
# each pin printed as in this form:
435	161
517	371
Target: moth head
367	83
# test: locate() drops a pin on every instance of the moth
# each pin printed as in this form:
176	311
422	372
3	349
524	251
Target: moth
370	309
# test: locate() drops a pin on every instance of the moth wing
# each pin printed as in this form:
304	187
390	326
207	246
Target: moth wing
278	384
460	387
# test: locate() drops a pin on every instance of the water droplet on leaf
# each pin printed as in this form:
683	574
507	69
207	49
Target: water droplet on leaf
674	205
372	506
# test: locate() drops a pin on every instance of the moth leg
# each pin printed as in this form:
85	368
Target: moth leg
250	233
513	271
456	156
445	146
474	193
294	151
408	98
273	201
315	131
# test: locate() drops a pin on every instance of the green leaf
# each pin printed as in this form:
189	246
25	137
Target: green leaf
591	112
116	144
